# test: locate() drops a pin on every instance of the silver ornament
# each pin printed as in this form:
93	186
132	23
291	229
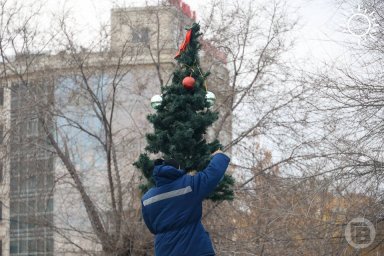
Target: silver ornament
211	98
156	101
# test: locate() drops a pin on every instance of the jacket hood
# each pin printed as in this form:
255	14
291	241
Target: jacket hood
164	174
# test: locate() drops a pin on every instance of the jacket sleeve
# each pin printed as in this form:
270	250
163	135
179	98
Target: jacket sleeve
145	218
206	181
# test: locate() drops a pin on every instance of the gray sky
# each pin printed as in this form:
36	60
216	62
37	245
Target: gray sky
317	36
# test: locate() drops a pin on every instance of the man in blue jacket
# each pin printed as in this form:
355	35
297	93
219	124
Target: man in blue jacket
172	210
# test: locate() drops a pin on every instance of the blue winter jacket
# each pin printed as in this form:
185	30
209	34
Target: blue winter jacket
172	210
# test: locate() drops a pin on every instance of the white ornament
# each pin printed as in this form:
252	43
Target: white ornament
156	101
211	98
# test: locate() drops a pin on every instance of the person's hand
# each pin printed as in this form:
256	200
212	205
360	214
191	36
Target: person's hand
216	152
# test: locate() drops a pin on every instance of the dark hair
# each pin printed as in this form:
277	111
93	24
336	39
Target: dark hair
171	162
158	161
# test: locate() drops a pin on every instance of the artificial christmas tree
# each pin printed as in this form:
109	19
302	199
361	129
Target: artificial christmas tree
182	118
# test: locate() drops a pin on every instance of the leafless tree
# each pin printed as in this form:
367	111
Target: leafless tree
350	109
346	122
63	107
327	127
90	102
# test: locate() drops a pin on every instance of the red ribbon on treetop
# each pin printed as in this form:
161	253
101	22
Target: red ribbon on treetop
184	45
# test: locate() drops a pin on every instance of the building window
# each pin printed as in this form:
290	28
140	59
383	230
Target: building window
1	96
1	134
31	183
14	223
31	246
50	181
15	184
40	245
14	246
23	186
1	172
49	245
50	205
32	205
32	127
13	207
23	246
23	224
40	182
140	35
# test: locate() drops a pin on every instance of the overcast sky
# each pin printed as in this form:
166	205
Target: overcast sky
318	35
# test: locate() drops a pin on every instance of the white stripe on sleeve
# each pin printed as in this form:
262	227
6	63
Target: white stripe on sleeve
170	194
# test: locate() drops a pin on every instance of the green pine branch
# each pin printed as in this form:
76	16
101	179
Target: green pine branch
181	122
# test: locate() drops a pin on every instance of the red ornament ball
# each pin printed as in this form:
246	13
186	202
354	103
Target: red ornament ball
189	82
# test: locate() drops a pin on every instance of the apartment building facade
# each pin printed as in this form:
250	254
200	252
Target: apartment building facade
35	186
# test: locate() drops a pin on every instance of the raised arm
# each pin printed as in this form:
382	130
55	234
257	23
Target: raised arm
206	181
